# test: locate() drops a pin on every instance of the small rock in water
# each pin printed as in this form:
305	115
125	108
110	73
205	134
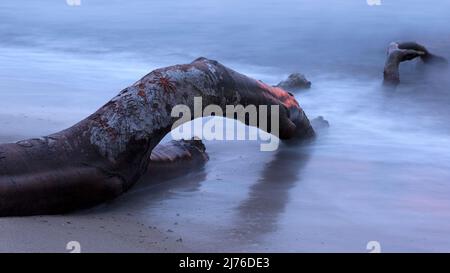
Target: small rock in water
319	123
295	81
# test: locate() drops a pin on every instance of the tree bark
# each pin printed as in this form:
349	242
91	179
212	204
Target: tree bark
105	154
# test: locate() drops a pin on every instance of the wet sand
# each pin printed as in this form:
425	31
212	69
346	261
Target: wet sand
95	232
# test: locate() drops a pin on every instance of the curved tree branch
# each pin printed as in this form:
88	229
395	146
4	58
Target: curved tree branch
406	51
105	154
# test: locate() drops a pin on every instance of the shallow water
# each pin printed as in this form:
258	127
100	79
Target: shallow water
379	173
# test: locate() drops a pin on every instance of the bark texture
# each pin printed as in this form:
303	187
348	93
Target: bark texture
102	156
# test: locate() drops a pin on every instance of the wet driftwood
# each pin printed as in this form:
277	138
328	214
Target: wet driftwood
105	154
178	151
406	51
173	159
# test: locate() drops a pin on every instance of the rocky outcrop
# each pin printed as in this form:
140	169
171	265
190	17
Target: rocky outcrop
294	82
319	123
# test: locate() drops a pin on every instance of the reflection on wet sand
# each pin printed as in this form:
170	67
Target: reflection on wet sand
258	214
160	184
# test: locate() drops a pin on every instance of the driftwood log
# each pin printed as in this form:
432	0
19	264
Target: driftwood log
178	151
103	155
406	51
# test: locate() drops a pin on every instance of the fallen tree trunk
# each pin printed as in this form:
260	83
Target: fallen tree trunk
105	154
406	51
